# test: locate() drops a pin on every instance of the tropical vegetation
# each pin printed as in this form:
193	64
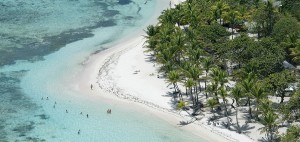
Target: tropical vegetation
233	49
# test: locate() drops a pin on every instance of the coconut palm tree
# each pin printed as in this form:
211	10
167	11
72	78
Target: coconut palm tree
258	93
265	106
167	16
219	9
233	18
213	89
237	95
247	85
223	93
173	78
222	77
190	83
181	104
212	103
194	73
269	120
151	39
207	64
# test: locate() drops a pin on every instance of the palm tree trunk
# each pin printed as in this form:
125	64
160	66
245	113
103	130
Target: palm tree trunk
282	97
200	86
174	85
231	32
191	91
248	101
249	105
226	112
217	98
205	85
186	91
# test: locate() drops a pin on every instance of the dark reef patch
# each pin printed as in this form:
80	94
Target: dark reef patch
111	13
22	129
42	116
124	2
14	102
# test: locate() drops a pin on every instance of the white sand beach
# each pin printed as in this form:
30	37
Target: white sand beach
124	74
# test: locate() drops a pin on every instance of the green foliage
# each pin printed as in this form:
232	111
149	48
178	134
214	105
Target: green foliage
181	104
268	58
265	18
291	110
284	27
191	39
269	120
265	106
236	93
212	103
212	33
295	51
242	49
292	134
277	83
292	7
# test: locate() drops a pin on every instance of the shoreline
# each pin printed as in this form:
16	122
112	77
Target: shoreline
99	63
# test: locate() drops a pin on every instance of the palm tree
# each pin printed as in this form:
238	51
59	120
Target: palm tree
207	63
222	77
247	85
223	93
233	18
237	95
258	93
167	17
219	9
189	84
177	41
151	39
219	78
194	73
181	104
265	106
269	9
212	103
270	125
213	89
173	78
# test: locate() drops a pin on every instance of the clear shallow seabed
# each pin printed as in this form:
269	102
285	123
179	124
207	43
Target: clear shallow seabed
42	44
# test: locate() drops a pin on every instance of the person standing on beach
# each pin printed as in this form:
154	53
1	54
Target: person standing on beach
91	86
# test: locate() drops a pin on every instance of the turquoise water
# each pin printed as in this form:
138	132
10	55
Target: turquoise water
42	46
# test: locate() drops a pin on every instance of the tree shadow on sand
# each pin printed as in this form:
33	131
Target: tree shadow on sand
150	58
246	129
262	139
184	123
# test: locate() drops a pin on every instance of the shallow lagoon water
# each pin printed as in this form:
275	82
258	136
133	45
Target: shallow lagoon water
43	45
